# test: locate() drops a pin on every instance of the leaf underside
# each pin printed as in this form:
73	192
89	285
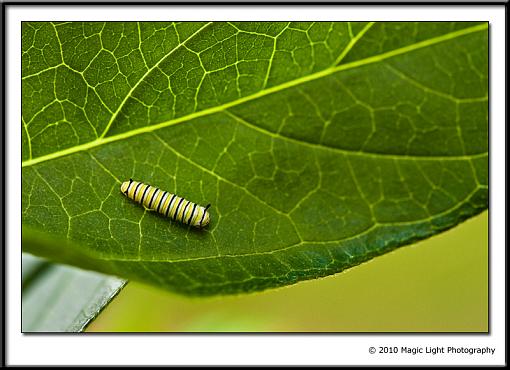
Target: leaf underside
319	145
57	298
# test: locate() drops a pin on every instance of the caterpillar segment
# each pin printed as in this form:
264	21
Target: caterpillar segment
168	204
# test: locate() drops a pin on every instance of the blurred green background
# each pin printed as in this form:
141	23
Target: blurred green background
437	285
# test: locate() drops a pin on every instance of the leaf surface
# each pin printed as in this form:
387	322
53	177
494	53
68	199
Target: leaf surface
319	145
57	298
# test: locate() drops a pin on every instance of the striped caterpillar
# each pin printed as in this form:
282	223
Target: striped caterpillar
168	204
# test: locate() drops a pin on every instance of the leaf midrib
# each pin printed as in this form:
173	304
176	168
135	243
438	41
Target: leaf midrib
259	94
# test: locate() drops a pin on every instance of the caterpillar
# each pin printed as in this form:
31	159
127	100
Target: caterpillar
168	204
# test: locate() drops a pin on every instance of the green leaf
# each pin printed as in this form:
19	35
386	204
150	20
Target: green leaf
319	145
57	298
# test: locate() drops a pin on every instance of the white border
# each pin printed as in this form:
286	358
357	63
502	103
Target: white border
249	349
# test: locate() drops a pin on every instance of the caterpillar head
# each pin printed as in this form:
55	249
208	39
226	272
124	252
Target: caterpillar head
202	218
125	186
206	219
